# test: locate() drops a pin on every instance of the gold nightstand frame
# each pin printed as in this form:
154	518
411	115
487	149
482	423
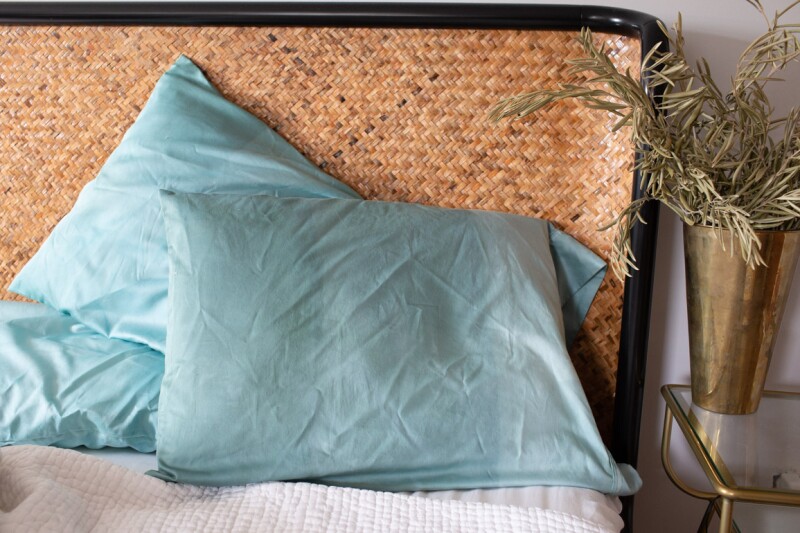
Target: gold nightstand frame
725	491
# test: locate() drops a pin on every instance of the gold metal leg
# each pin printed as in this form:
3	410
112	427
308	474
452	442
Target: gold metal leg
725	516
666	437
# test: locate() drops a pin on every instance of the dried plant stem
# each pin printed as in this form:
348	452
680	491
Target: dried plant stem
713	158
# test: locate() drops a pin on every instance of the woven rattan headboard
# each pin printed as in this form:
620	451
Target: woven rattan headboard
397	113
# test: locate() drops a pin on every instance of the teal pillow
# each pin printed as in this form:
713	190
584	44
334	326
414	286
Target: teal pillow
579	273
378	345
106	261
66	385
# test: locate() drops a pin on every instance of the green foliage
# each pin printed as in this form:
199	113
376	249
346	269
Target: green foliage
717	159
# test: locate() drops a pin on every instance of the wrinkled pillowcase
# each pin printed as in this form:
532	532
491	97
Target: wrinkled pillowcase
63	384
377	345
106	261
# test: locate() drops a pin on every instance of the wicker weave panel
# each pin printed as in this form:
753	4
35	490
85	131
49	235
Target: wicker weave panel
398	114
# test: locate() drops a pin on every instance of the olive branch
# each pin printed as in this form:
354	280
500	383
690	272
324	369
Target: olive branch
715	159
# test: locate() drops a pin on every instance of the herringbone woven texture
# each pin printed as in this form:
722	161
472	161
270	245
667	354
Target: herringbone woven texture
398	114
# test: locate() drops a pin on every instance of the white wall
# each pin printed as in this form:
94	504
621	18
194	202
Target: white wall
717	30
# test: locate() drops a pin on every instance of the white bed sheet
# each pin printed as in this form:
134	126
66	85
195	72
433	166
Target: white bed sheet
585	503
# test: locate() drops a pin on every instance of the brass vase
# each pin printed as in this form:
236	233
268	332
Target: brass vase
734	314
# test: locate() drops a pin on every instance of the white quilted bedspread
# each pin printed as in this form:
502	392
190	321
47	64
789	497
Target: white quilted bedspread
49	489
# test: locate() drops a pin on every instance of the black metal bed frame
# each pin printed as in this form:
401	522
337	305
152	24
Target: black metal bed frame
638	288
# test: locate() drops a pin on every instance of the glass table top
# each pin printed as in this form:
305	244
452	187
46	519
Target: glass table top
759	451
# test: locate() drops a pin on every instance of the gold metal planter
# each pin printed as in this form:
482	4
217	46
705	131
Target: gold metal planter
734	315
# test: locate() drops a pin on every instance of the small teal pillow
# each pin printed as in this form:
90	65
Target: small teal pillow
66	385
106	261
377	345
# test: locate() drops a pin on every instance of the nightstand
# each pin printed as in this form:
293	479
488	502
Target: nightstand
746	458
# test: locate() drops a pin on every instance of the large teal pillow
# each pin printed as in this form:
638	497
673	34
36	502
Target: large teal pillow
378	345
63	384
106	261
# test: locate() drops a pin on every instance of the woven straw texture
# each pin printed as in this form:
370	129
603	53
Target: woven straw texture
398	114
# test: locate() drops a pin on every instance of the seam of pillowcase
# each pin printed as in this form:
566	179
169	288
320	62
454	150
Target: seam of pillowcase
73	434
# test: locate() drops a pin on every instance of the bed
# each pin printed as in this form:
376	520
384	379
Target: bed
385	102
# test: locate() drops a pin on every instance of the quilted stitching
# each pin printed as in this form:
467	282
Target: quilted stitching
50	489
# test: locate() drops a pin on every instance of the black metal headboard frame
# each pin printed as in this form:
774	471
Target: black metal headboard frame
638	288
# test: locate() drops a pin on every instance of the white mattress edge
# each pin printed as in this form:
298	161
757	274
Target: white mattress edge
585	503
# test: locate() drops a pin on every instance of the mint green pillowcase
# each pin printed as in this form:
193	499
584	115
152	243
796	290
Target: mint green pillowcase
63	384
106	262
377	345
579	274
